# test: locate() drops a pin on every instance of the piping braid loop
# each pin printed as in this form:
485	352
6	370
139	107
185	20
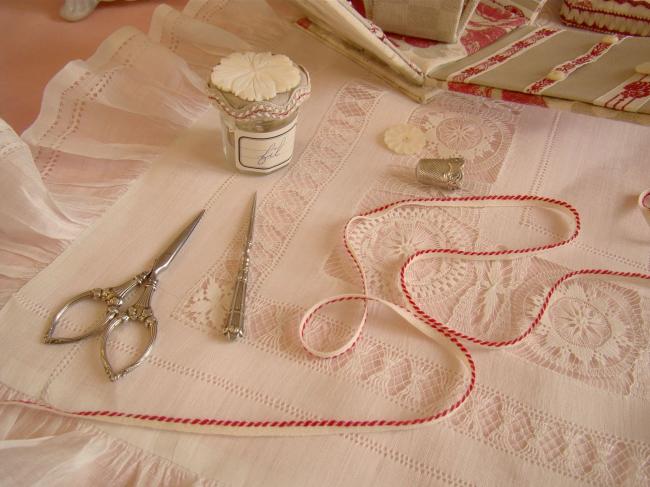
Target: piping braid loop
449	339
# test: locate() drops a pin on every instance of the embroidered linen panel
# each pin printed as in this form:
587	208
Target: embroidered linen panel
567	406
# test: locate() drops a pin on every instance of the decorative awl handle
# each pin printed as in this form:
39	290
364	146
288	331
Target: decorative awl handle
234	327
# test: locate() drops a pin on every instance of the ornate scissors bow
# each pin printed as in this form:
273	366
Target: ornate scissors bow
115	297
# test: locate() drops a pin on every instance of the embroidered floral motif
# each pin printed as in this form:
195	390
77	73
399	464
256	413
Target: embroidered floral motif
629	96
592	332
636	89
579	322
482	305
490	22
469	127
461	134
385	242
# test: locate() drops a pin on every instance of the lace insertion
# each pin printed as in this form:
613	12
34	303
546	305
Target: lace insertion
449	338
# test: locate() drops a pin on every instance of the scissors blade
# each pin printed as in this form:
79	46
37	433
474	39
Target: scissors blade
163	261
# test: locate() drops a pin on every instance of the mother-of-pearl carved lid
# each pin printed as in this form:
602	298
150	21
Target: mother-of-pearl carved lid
258	86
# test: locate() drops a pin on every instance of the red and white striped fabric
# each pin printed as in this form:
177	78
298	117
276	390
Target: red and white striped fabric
562	71
629	96
505	54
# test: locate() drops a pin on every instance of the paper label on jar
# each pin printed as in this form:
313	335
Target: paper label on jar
264	151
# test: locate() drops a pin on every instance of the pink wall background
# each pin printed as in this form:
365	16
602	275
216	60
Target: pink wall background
35	43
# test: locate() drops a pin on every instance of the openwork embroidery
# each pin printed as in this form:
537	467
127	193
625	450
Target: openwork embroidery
466	126
593	330
551	442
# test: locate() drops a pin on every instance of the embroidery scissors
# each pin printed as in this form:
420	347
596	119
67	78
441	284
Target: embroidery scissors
234	327
115	297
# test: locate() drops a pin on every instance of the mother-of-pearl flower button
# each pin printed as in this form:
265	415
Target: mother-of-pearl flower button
404	139
556	75
609	39
643	68
255	76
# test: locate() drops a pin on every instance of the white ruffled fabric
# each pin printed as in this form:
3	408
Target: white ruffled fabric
102	122
32	224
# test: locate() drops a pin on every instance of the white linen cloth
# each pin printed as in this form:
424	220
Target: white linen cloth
568	406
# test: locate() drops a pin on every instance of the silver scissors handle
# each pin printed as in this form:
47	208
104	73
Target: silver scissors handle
139	311
113	297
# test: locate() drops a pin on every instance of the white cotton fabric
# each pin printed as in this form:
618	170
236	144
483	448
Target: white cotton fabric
128	150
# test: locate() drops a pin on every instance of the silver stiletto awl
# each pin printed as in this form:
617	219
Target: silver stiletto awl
234	327
115	297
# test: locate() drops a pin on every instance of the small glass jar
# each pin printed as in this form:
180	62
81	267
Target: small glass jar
258	136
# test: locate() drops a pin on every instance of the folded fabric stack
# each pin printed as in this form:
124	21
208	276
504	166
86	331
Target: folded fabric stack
503	51
615	16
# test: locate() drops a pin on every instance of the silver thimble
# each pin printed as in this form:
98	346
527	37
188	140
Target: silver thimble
446	173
